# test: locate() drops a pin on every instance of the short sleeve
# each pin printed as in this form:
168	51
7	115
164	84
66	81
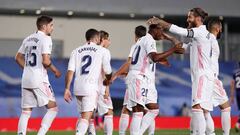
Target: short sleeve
131	51
22	49
47	45
150	46
106	62
72	61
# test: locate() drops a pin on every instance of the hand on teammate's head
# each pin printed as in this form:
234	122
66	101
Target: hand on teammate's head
153	20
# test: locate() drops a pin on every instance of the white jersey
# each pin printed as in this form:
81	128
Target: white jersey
131	51
141	63
33	47
215	55
87	62
200	50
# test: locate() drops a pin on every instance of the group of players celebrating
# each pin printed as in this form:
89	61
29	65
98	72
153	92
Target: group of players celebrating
90	67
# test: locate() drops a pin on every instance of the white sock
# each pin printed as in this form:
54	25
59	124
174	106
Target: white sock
147	119
108	124
151	128
209	124
91	127
82	126
123	123
226	120
23	121
191	126
47	120
136	123
198	122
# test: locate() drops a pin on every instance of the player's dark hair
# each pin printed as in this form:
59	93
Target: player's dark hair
91	33
140	31
239	64
153	27
103	35
199	12
212	22
43	20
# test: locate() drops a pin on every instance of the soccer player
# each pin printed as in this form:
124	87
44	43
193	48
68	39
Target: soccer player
87	62
219	97
235	86
200	63
104	103
34	57
140	79
140	31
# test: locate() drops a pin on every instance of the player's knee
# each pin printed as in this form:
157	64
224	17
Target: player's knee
125	110
55	109
197	106
152	106
224	105
110	112
51	104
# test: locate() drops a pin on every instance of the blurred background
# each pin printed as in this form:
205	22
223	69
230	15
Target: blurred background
119	18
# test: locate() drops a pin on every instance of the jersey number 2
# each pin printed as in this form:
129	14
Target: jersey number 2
238	82
87	59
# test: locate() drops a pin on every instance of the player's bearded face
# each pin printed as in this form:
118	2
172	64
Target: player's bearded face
219	32
191	19
49	28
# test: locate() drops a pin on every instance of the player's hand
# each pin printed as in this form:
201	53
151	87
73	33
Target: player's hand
114	77
179	49
107	93
164	62
67	95
153	20
106	82
57	74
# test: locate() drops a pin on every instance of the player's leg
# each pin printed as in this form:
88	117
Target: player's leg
221	100
198	120
108	122
151	128
23	121
226	117
237	125
151	95
28	102
149	117
86	105
137	116
91	128
202	90
48	117
124	120
209	123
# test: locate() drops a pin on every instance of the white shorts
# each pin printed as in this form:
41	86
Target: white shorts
103	105
37	97
202	90
135	87
151	93
125	100
87	103
219	94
